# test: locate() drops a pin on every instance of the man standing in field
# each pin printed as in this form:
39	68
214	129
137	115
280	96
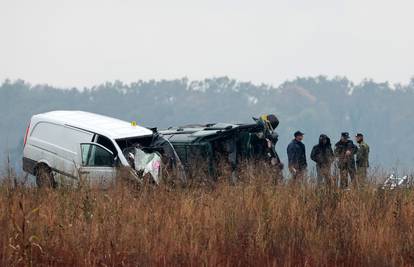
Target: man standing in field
344	153
362	158
297	157
323	156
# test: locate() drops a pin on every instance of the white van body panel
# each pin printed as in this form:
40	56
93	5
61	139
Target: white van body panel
54	138
107	126
56	145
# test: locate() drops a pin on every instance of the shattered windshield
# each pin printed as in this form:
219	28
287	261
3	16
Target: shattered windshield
150	154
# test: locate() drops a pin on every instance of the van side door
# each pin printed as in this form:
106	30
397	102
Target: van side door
97	164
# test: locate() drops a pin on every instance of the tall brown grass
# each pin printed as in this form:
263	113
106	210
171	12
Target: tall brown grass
254	223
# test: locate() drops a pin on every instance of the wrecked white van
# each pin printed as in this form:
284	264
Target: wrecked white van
75	144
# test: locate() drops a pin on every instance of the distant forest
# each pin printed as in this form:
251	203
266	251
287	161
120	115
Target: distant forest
383	112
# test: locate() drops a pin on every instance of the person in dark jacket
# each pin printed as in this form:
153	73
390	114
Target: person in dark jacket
323	155
345	151
297	157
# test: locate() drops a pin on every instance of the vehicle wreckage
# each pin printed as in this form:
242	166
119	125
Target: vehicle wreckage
151	156
69	146
208	144
395	182
66	147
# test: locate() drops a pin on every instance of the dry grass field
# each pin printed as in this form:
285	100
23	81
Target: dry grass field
254	223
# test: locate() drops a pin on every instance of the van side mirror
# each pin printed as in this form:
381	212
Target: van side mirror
117	161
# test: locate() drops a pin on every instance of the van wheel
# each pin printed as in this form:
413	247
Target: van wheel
44	177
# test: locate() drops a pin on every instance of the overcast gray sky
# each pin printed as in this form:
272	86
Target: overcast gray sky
85	42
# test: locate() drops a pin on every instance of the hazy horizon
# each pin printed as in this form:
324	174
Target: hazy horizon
390	85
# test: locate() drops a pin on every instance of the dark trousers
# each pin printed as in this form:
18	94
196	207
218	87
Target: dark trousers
344	173
361	174
299	175
324	175
278	175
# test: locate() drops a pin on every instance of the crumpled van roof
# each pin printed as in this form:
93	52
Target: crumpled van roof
190	133
103	125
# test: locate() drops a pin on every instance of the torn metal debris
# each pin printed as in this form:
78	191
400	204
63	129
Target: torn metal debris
233	143
394	182
150	155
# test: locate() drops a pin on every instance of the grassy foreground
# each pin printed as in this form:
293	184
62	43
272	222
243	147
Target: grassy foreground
254	223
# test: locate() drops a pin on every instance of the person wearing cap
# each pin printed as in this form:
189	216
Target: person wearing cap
362	158
297	157
345	151
322	154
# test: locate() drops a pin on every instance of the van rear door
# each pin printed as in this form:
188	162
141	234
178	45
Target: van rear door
97	164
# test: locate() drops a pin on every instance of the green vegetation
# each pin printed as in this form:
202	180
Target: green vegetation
313	105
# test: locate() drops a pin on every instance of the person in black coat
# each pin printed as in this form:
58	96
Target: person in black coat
323	155
297	157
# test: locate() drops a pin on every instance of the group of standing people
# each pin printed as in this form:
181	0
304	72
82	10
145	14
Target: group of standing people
352	160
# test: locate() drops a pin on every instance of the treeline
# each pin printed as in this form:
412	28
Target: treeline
384	113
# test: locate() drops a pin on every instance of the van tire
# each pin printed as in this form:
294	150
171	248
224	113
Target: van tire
44	177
